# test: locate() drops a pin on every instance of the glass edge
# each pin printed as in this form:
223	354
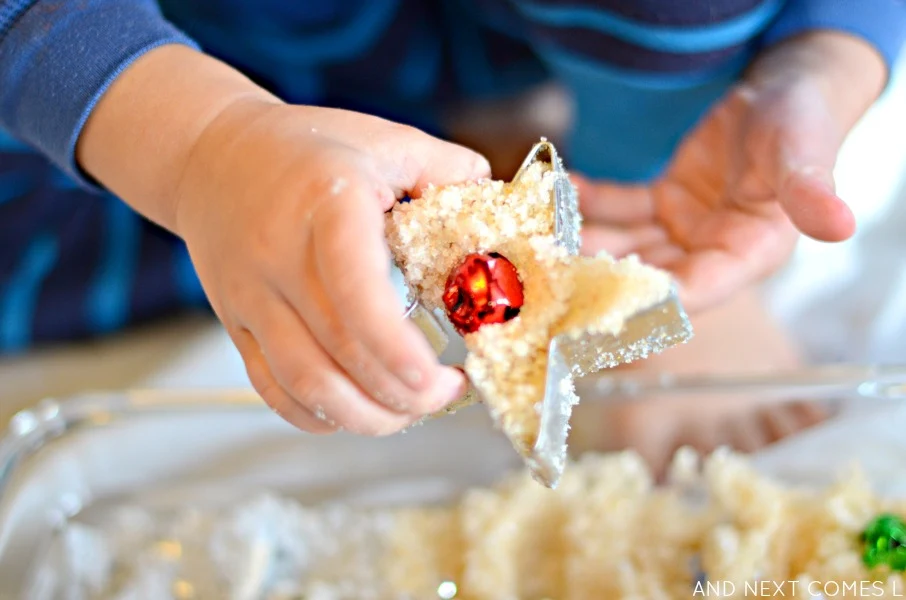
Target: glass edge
31	429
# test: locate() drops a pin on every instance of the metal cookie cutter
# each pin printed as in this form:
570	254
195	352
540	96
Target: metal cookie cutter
648	332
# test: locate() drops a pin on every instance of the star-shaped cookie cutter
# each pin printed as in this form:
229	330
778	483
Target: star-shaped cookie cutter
648	332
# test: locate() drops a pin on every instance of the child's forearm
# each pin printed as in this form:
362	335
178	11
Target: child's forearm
140	136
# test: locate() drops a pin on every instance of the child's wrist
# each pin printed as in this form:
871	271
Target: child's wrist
140	136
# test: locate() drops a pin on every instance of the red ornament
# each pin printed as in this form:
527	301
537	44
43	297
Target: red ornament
484	288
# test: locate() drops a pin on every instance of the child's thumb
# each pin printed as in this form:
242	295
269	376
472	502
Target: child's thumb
436	162
807	144
409	160
809	200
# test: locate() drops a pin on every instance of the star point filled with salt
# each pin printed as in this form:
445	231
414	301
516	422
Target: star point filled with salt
480	251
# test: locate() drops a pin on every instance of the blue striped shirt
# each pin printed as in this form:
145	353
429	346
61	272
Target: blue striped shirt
75	262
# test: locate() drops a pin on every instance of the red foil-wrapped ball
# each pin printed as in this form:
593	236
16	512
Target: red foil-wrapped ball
484	288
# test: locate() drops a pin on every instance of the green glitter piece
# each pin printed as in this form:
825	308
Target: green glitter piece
884	542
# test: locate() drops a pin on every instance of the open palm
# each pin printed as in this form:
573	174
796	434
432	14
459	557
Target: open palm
745	182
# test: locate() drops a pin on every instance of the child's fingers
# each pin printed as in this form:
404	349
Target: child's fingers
661	255
302	368
330	328
354	266
701	436
746	433
710	277
613	203
270	391
779	422
621	241
809	413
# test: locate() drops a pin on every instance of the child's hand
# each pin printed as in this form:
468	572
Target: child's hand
282	208
753	175
656	426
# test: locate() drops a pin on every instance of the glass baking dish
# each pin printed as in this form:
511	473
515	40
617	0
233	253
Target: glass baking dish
79	458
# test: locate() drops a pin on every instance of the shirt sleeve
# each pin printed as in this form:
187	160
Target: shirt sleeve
58	57
881	23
